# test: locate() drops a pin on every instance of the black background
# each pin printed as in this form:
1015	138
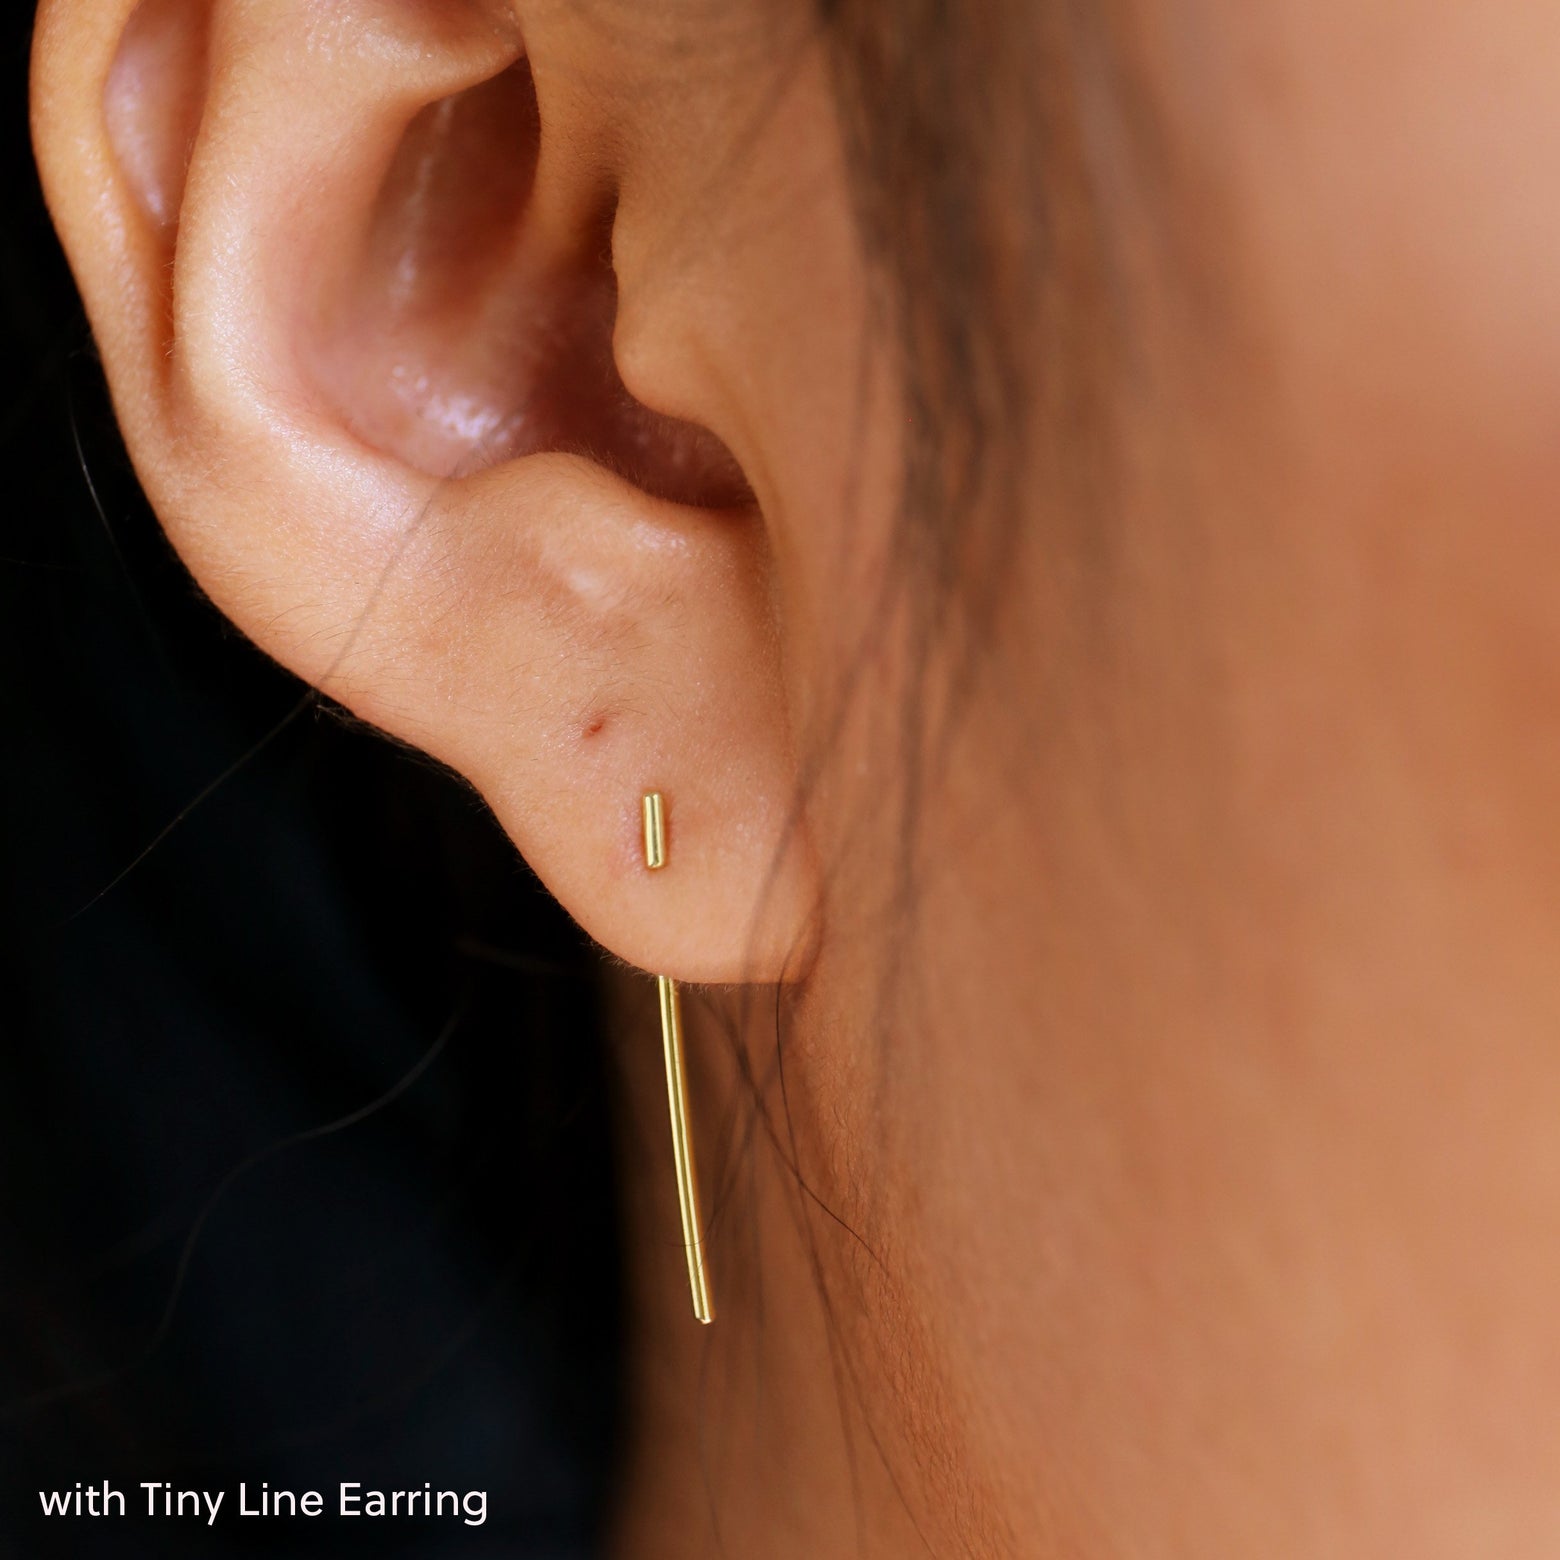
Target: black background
429	1293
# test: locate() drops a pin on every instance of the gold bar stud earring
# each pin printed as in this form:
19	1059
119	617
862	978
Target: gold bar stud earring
677	1087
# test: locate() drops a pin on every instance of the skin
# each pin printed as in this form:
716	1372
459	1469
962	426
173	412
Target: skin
1189	1187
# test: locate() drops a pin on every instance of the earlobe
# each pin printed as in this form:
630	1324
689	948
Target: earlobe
377	410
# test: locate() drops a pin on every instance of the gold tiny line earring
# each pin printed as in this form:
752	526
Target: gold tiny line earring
677	1088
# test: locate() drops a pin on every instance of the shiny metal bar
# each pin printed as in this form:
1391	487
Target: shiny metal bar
677	1088
655	831
682	1147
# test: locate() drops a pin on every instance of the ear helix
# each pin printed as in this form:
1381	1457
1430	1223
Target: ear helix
677	1087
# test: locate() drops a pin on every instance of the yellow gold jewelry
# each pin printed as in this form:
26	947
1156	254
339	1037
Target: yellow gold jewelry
677	1088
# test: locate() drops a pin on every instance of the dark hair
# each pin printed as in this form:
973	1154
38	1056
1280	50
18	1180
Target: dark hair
977	207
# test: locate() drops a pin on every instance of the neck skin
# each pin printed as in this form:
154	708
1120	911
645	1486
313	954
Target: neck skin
771	1432
1202	1176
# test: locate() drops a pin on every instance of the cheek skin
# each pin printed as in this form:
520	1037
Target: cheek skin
1297	1070
1419	165
1395	260
1398	229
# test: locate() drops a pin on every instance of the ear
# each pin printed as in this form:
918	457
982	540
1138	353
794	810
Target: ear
346	268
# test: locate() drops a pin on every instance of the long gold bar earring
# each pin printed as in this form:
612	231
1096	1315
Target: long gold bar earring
677	1088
